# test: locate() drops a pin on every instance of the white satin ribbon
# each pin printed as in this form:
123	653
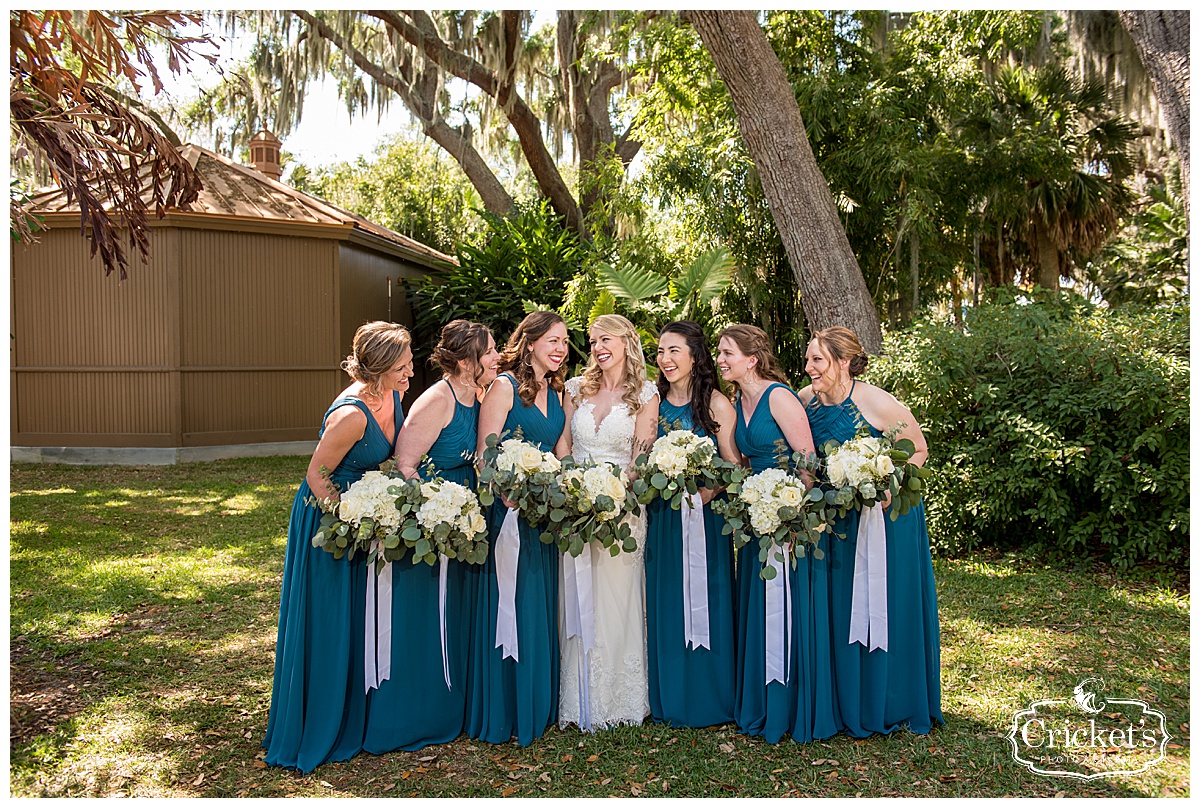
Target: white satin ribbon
508	551
778	639
695	575
868	600
377	658
580	620
443	566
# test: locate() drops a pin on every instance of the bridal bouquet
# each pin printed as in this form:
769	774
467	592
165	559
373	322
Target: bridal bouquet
679	464
365	514
864	469
521	473
774	507
596	498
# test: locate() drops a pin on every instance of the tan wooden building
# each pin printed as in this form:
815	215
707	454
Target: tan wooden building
227	342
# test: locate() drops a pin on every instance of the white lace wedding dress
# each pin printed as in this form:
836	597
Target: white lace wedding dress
613	675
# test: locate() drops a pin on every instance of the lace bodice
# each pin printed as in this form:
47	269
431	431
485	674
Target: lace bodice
612	439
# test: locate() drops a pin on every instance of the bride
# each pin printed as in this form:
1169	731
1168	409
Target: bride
612	415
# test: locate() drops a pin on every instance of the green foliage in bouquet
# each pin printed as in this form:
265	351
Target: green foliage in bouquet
364	519
596	498
773	508
670	478
536	493
439	517
384	516
897	476
1053	424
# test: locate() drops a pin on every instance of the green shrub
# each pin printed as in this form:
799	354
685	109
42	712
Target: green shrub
526	256
1053	424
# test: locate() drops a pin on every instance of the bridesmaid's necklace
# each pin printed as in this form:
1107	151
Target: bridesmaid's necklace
754	394
368	403
466	389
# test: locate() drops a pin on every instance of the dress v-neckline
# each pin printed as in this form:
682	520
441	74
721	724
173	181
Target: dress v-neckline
596	427
746	422
371	417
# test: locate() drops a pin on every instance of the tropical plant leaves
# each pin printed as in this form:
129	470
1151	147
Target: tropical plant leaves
630	282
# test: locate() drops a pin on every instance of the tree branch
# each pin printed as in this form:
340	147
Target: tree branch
422	34
421	102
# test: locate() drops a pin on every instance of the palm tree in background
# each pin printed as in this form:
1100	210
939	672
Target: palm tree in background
1053	163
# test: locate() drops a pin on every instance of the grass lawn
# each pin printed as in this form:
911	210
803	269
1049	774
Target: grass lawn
143	610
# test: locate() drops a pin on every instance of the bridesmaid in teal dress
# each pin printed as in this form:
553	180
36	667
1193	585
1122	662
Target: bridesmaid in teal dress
878	691
319	702
518	698
690	685
768	412
416	707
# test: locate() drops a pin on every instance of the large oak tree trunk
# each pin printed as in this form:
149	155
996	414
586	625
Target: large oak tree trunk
831	284
1163	40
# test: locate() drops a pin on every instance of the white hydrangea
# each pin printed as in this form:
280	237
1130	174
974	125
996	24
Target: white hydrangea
768	491
368	498
452	504
860	463
681	451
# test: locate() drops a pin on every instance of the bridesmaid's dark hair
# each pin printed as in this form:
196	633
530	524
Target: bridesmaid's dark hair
515	356
705	380
753	341
461	341
842	343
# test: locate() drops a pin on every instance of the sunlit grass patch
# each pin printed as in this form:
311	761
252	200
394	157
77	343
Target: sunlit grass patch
146	636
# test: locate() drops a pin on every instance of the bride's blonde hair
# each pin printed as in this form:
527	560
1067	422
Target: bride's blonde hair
634	375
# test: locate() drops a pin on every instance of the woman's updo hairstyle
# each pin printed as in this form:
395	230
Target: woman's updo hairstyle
378	346
461	341
842	343
753	341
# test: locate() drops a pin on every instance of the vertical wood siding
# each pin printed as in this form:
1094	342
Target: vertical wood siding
93	403
66	312
223	337
257	300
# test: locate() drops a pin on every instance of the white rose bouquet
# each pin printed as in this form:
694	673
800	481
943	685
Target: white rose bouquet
520	472
677	465
862	471
597	497
774	507
365	513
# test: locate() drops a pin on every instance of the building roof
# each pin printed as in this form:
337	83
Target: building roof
235	191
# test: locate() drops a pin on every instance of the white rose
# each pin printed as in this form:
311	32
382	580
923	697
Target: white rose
529	460
551	463
884	465
791	496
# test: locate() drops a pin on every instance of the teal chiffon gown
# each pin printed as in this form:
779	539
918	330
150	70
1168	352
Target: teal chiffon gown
510	699
318	699
415	708
806	706
689	687
880	691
